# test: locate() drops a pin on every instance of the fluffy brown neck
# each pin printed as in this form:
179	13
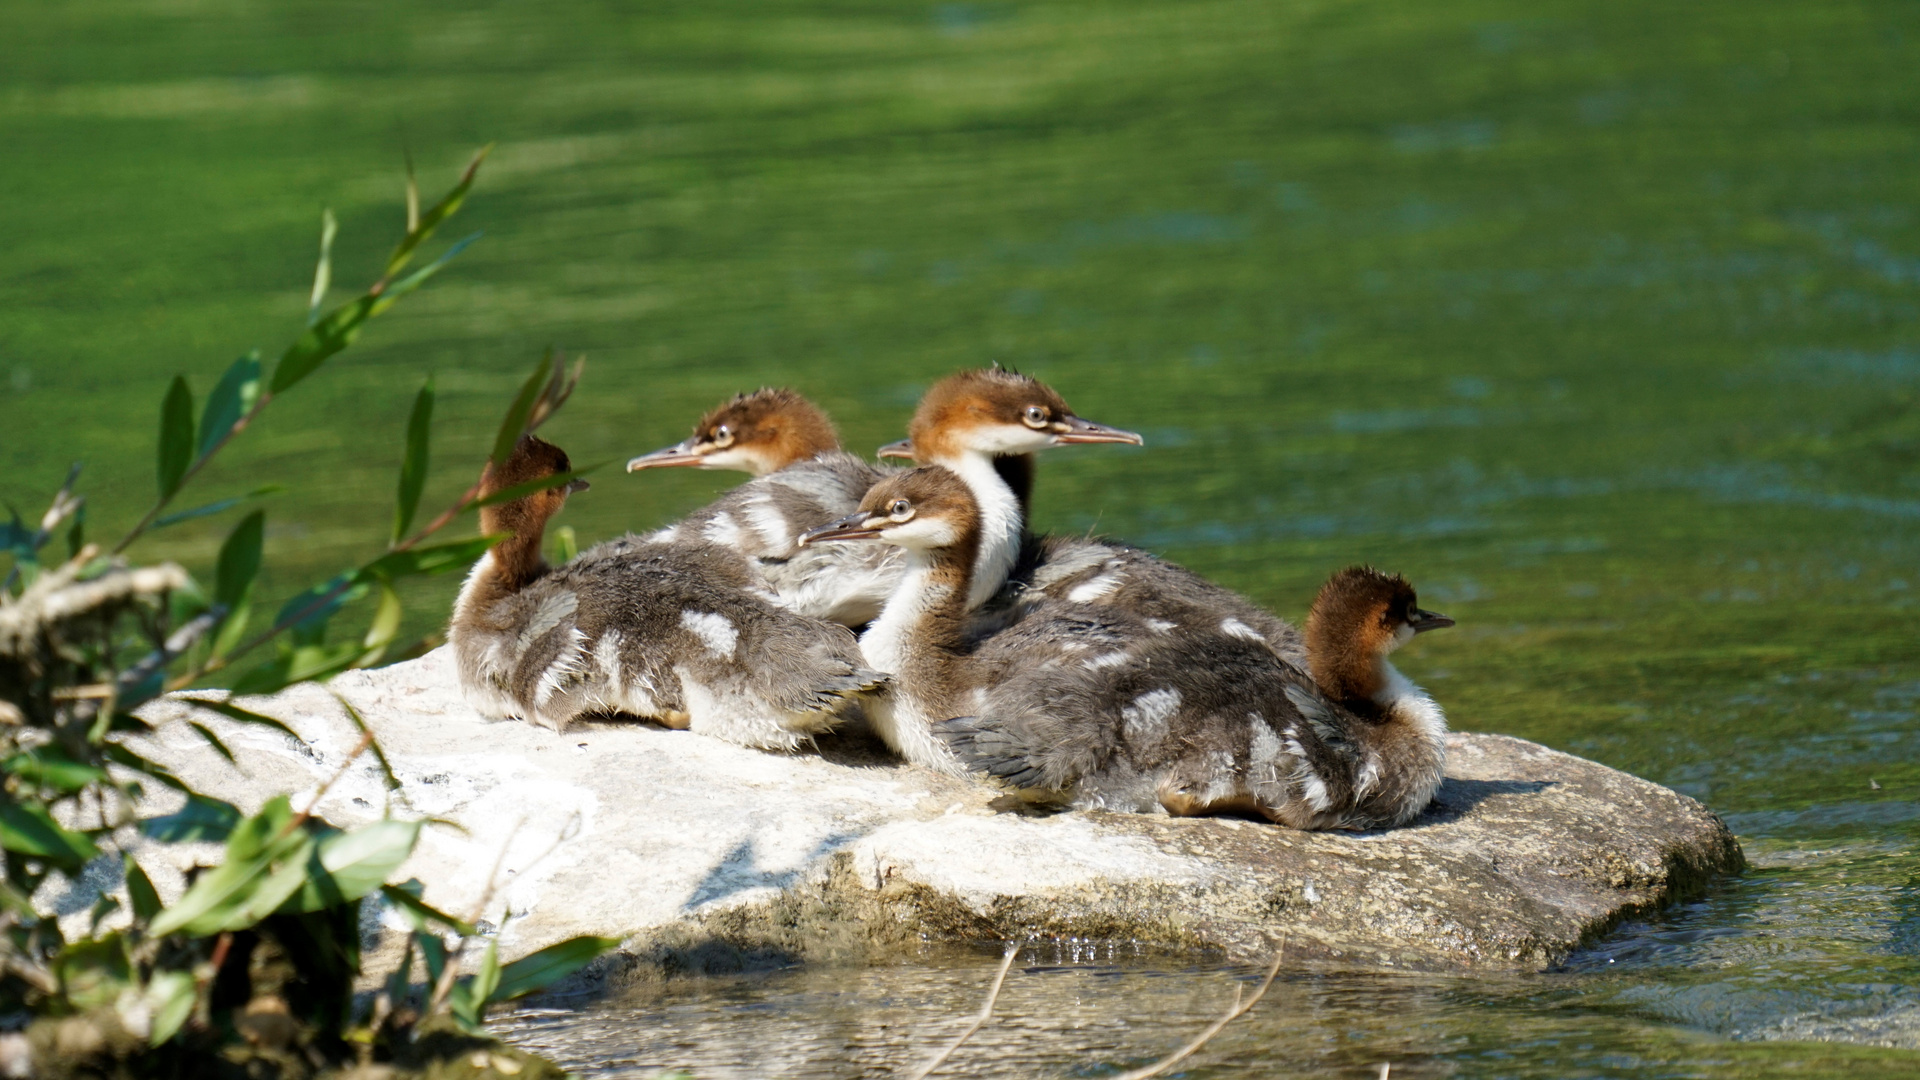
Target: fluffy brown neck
803	442
517	561
1347	670
920	634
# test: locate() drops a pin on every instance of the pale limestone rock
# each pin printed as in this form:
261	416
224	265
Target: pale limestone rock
702	855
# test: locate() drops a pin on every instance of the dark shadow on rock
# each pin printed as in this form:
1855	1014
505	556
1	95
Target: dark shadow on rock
736	870
854	744
1013	803
1457	798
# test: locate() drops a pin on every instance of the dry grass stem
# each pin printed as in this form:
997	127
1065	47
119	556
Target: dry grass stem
1238	1010
986	1010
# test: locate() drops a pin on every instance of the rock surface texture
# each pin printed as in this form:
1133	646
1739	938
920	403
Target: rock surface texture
707	856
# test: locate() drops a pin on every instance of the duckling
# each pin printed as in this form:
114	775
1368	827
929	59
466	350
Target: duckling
1098	709
984	425
1394	735
1088	570
682	634
801	478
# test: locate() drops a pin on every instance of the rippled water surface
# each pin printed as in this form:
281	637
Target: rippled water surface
1599	320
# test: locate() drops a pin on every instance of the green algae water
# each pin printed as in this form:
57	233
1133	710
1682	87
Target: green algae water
1601	321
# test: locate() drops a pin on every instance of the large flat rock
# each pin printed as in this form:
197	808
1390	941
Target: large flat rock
703	855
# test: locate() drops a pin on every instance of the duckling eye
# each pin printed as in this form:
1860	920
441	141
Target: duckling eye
723	436
1035	416
901	510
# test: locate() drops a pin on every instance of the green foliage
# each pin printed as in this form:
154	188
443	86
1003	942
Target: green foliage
260	953
231	400
413	473
176	436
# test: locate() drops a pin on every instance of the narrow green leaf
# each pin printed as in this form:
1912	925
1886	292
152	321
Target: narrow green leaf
348	865
140	890
439	212
170	998
521	491
400	981
306	614
419	277
373	744
468	1002
434	952
213	740
487	979
77	532
256	834
514	424
93	972
263	895
419	912
208	510
12	899
383	629
27	828
323	270
103	907
233	398
259	874
215	507
542	969
320	342
153	770
16	537
413	193
232	629
566	544
202	818
50	767
176	436
413	470
240	559
435	559
246	716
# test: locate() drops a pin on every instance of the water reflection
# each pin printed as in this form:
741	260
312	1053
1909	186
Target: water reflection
1096	1017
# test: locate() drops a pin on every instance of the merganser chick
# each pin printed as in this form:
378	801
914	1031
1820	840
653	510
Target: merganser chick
1068	708
1088	570
967	422
802	478
682	634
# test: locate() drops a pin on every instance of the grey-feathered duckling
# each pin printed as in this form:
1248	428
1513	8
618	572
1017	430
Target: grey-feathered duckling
682	634
801	478
985	426
1388	735
1032	571
1100	709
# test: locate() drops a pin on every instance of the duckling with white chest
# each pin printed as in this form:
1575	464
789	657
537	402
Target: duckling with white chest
1099	709
1036	571
801	478
984	424
1394	733
682	634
